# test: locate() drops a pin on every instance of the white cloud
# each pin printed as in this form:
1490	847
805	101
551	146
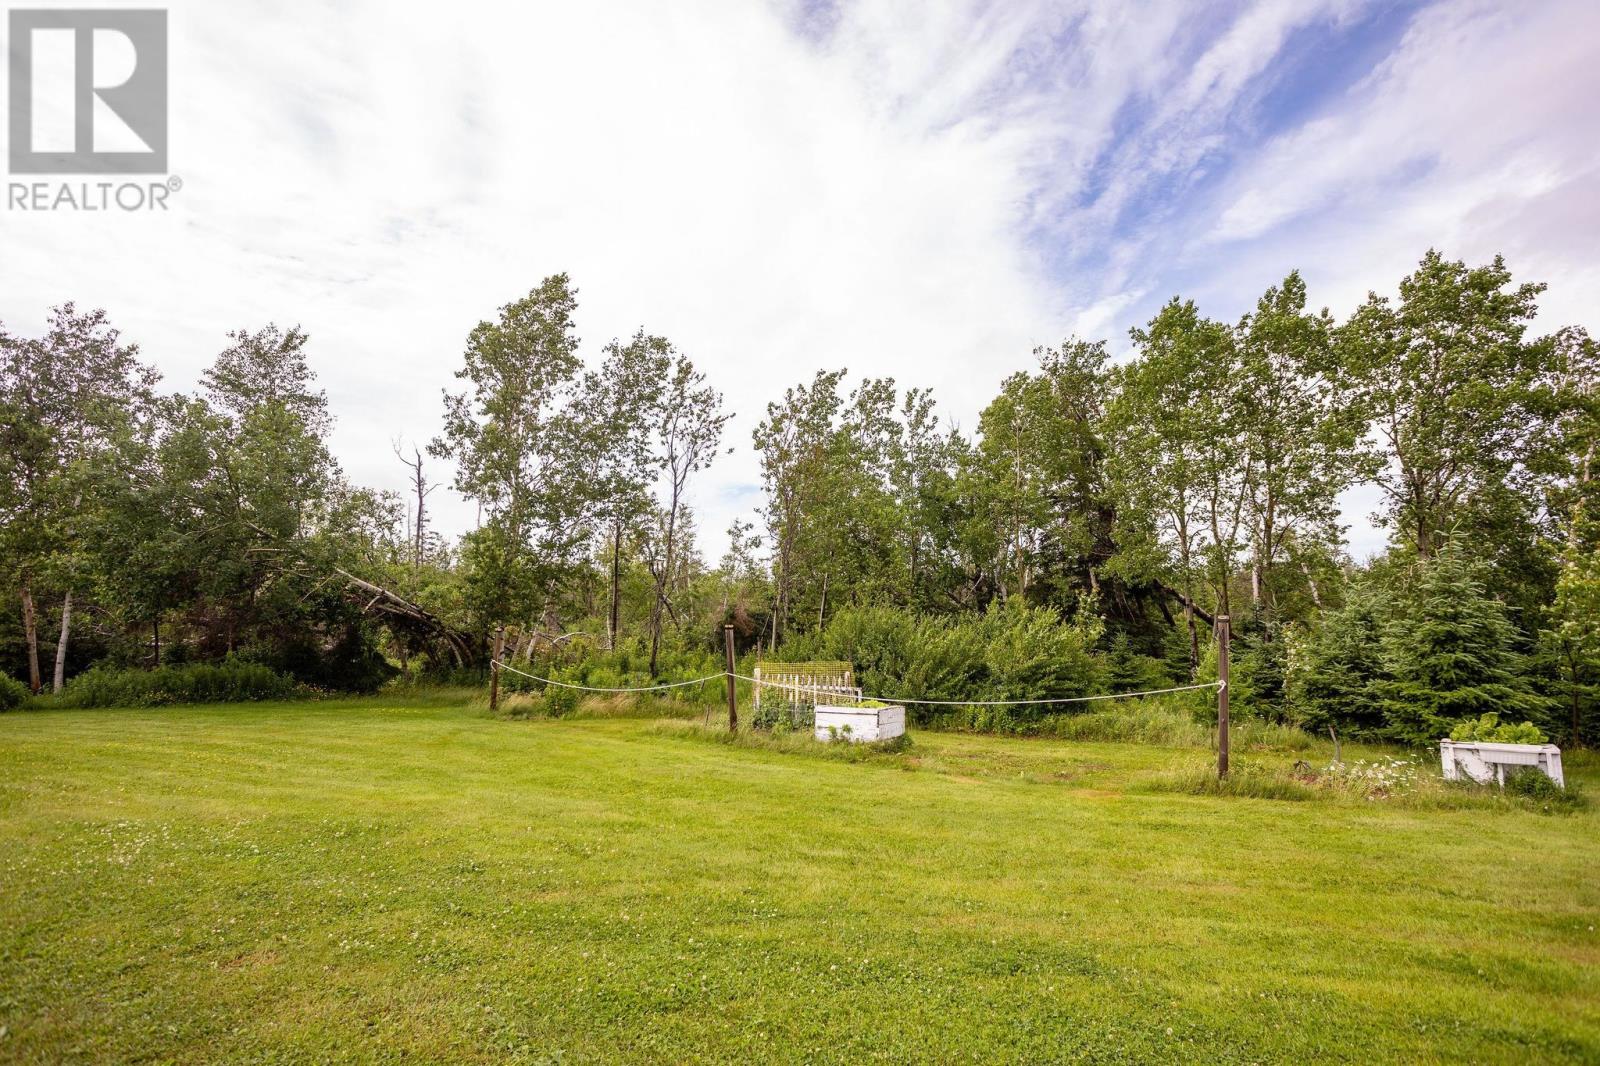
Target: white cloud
911	190
1476	135
386	175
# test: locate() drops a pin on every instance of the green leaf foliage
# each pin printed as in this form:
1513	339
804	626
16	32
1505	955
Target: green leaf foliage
230	681
13	693
1489	729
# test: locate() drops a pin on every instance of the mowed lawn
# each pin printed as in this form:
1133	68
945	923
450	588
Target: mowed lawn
391	881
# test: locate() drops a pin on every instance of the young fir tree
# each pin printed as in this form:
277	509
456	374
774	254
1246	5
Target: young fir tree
1451	653
1330	673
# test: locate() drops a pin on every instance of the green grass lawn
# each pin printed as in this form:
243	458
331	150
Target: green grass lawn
392	880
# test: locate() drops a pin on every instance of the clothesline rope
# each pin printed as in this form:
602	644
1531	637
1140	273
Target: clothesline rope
1000	703
802	689
591	688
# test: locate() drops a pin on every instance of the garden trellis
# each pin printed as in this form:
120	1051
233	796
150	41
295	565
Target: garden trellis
804	682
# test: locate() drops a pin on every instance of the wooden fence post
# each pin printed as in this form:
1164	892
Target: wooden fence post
494	668
733	705
1224	637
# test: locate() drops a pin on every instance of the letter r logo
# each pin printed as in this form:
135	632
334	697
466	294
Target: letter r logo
88	91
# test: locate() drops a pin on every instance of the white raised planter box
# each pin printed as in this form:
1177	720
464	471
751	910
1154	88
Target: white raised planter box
1490	762
860	725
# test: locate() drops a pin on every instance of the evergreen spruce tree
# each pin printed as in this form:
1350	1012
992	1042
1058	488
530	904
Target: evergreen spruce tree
1128	671
1451	652
1331	672
1259	662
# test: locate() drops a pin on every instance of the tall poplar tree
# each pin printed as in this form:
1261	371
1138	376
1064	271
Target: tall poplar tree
793	442
1453	387
623	408
1176	427
519	443
68	398
1301	437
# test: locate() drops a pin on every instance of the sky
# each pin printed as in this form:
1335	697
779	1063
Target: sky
923	191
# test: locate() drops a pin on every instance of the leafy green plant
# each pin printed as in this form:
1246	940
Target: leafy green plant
783	716
1489	729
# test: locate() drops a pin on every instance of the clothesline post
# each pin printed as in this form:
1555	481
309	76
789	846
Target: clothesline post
1224	637
733	704
494	669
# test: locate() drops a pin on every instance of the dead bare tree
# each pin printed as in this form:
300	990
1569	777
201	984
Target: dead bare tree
420	489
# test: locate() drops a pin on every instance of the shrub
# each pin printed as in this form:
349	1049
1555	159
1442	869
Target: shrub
1030	653
1258	673
560	702
624	668
880	642
13	693
345	660
1128	671
1329	673
1012	651
229	681
1542	793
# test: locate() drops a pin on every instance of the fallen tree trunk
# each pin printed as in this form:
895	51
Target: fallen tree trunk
1199	612
464	646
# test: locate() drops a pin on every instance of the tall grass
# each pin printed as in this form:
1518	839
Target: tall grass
1399	781
1174	722
555	702
1249	780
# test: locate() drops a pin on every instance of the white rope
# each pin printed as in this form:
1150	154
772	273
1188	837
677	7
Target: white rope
881	699
591	688
1003	703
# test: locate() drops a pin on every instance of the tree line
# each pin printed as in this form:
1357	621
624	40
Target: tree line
1128	501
